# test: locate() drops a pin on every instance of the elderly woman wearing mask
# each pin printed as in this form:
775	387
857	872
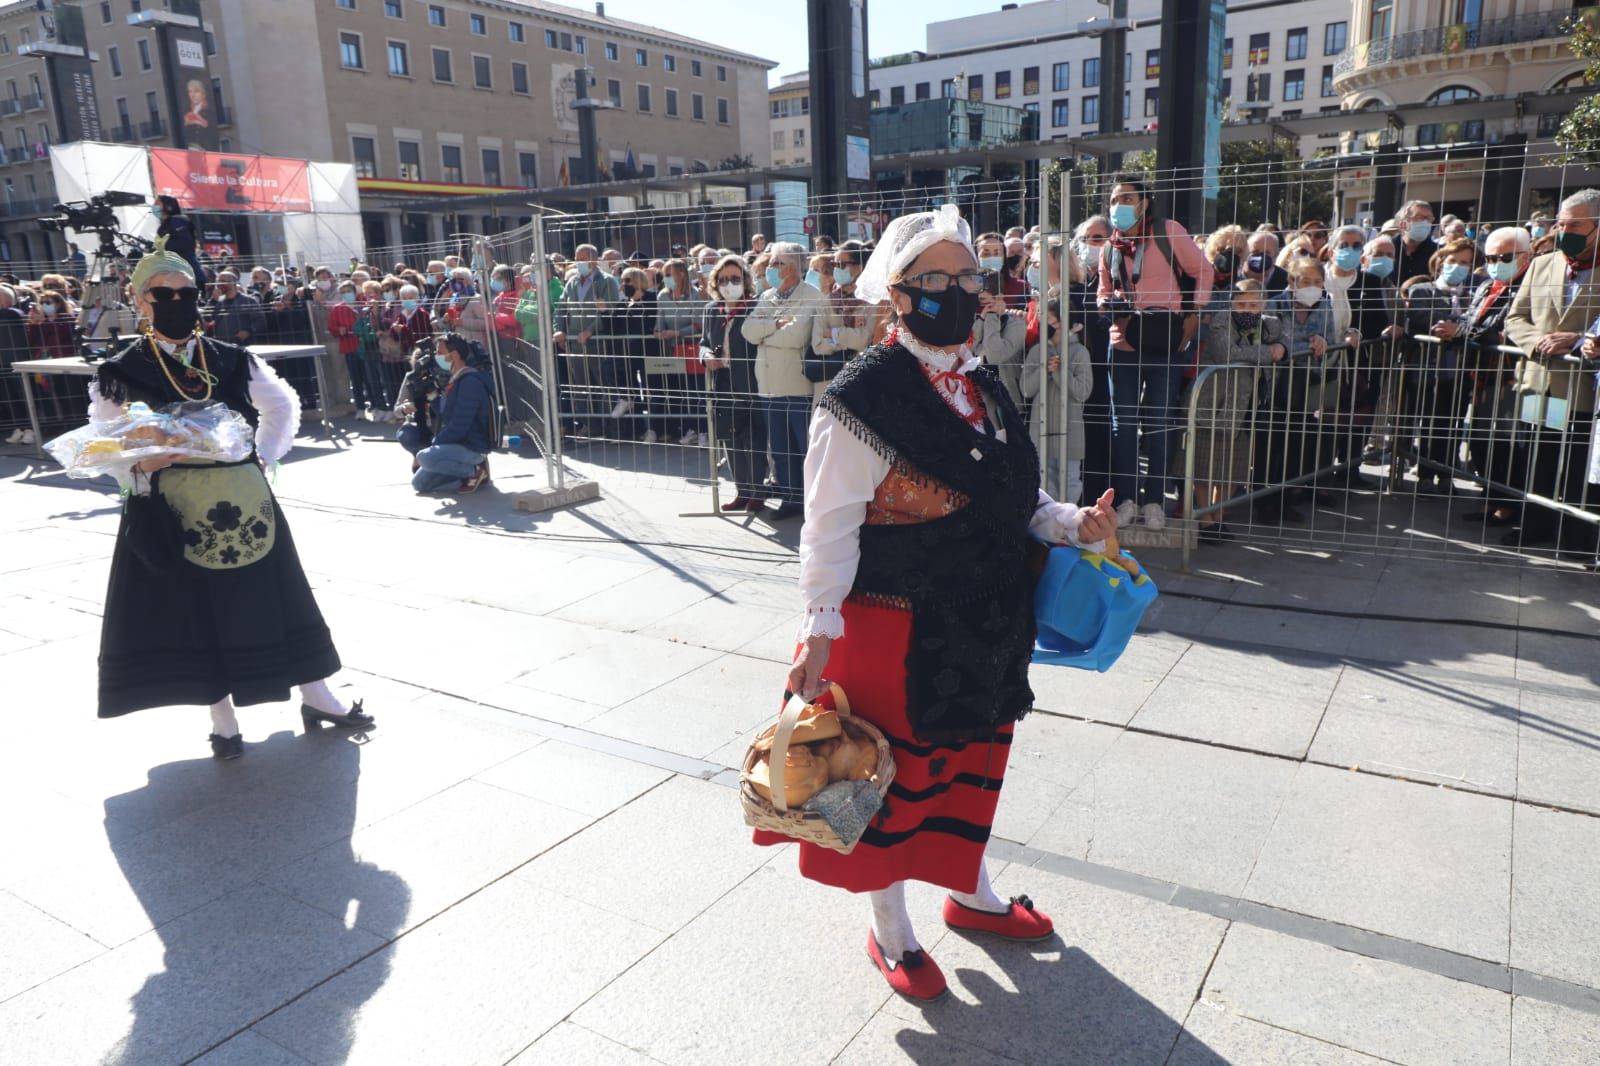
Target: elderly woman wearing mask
203	547
922	501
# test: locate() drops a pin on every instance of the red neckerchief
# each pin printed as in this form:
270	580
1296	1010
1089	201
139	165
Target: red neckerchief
1495	289
948	384
1578	266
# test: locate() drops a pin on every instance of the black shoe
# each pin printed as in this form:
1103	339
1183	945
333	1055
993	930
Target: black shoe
356	719
226	747
1487	517
1215	533
788	509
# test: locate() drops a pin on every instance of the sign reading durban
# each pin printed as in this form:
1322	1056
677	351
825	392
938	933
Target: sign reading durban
227	181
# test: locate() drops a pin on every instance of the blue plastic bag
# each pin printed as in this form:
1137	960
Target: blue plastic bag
1086	608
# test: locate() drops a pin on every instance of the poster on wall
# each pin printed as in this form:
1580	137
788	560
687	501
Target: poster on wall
229	181
189	84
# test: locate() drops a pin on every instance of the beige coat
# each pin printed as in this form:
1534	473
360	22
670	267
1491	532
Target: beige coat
781	351
1541	307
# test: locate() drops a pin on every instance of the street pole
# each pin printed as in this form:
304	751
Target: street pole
1113	47
1189	130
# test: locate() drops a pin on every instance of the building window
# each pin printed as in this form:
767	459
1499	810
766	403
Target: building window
1030	81
491	165
1295	45
1091	111
348	5
722	73
722	110
223	118
1227	54
1258	89
669	62
515	32
399	59
614	92
1152	63
410	156
124	120
874	100
153	107
480	26
777	140
1091	73
144	54
1334	35
1381	22
1260	48
697	107
611	51
1227	90
450	163
1453	93
349	52
364	153
947	89
5	45
552	39
897	95
441	65
1327	81
1060	77
694	68
1294	84
116	61
580	44
528	169
1002	85
641	58
672	103
800	137
519	78
393	9
482	75
644	98
975	87
1061	113
105	11
1152	102
435	15
1127	66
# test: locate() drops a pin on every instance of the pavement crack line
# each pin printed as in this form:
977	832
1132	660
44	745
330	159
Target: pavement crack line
1199	992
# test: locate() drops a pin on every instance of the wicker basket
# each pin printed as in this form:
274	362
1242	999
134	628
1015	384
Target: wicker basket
775	816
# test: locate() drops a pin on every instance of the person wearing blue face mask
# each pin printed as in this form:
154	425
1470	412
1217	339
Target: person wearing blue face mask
843	327
1417	245
1358	302
464	429
1434	393
781	328
579	323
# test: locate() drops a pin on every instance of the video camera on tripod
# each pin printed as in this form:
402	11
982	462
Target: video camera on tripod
117	251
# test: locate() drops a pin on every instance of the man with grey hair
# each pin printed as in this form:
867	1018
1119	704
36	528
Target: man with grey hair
1417	243
1558	301
235	316
1261	249
579	324
780	328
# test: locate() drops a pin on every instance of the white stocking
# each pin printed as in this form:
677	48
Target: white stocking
223	722
984	898
891	923
318	695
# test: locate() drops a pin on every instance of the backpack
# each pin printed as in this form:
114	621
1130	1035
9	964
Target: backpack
1163	243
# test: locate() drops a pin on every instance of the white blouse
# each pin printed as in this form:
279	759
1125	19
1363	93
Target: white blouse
842	475
274	399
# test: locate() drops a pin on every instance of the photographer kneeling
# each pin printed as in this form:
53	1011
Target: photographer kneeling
462	420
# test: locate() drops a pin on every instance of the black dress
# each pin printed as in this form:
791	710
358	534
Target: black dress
207	597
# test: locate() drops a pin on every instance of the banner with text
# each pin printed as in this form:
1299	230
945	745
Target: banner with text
229	181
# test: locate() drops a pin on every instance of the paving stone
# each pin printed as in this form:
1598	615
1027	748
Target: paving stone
1127	966
35	947
1213	1036
1421	730
779	961
701	710
1243	699
1544	1033
168	995
726	620
1557	660
1049	757
403	870
617	669
1558	750
1415	861
1113	696
660	860
249	1048
1377	1008
1555	894
1279	630
476	985
887	1038
1171	809
643	600
513	696
573	1045
578	779
777	644
1462	648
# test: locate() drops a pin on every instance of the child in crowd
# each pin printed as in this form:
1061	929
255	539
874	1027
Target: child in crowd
1055	398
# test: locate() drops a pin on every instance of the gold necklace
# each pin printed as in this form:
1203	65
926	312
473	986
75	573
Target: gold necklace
204	374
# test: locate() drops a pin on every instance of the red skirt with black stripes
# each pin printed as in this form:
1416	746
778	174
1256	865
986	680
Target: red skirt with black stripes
936	820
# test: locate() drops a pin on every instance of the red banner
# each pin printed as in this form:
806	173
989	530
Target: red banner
226	181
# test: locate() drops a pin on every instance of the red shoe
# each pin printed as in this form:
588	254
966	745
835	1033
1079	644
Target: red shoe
738	503
474	480
915	976
1021	922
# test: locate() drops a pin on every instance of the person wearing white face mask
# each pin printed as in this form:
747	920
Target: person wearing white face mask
741	419
1434	377
1347	289
1287	448
843	326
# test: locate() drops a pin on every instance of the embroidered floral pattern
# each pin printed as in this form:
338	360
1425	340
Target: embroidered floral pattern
226	511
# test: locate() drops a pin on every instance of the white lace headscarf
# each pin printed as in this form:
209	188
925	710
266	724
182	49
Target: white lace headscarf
906	238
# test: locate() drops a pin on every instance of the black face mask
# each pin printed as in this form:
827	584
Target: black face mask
1226	264
1571	244
1246	321
1050	333
628	291
941	319
175	318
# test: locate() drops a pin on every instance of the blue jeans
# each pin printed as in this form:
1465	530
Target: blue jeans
1144	417
410	438
787	420
444	466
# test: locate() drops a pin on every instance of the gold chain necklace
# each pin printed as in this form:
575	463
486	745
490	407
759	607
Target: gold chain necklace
206	377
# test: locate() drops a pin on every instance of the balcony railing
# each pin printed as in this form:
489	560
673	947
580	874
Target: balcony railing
1454	39
224	115
11	106
153	128
121	134
33	102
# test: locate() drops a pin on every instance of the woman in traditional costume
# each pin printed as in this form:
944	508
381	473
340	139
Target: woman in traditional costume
207	602
924	527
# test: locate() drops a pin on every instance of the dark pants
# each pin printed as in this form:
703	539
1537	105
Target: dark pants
788	418
1558	472
1097	429
1144	388
742	425
358	379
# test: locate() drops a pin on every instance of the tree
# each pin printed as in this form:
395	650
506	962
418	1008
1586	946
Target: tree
1580	130
735	162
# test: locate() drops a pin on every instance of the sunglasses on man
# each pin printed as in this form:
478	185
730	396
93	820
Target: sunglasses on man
162	293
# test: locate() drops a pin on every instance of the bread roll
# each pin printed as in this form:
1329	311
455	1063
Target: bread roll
852	759
804	775
816	723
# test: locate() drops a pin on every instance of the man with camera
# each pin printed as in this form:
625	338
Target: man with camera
456	404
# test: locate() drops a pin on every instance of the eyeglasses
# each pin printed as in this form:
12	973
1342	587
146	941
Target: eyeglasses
939	281
1096	238
732	279
1357	245
1508	257
162	293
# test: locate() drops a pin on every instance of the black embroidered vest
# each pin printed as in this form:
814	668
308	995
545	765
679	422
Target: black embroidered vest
966	575
134	375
